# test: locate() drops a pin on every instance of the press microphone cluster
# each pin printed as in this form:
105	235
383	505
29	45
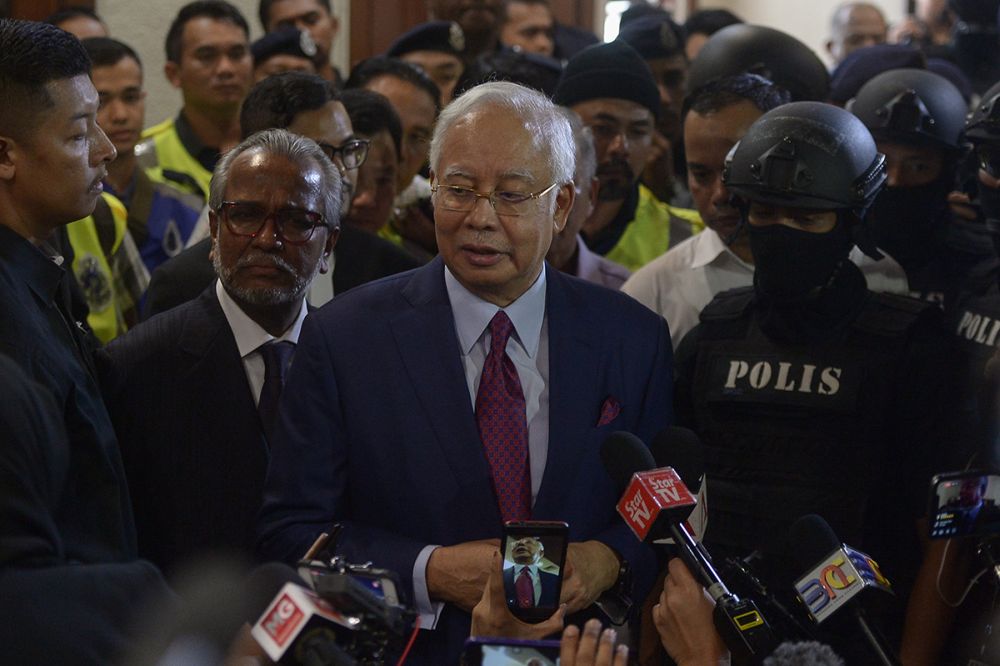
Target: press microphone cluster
656	503
338	614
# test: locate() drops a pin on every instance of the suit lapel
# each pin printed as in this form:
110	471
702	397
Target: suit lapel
217	366
574	371
426	339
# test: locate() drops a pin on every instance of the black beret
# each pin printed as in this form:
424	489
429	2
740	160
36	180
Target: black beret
612	70
653	36
864	64
443	36
284	41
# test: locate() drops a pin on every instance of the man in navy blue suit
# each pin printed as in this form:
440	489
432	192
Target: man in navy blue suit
425	409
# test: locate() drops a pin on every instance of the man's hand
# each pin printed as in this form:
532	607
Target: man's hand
594	648
961	206
491	617
591	568
683	619
458	574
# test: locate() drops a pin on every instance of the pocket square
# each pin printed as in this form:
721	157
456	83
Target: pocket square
609	410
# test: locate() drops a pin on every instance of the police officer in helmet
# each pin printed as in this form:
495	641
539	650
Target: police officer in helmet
917	118
811	393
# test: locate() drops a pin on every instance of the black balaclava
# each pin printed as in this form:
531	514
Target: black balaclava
805	283
910	222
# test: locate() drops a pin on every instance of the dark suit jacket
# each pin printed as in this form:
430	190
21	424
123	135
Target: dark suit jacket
191	439
377	430
360	257
56	609
547	598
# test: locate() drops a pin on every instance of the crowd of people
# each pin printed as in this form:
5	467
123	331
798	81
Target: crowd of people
408	303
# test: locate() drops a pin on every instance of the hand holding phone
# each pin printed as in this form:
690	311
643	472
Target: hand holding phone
534	561
492	617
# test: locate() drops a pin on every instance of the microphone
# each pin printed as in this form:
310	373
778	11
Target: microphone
836	575
298	627
655	504
809	653
682	449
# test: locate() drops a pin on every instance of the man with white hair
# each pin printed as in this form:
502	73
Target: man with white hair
431	407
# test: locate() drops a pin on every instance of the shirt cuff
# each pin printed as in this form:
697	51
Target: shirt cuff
428	611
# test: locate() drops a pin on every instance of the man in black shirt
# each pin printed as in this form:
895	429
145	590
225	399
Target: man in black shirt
53	157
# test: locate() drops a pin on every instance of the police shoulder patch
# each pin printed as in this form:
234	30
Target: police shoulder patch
730	304
893	315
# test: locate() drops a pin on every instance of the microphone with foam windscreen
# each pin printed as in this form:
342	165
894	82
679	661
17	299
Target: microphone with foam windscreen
837	577
655	505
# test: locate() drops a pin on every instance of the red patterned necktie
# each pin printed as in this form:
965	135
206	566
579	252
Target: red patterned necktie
525	590
503	426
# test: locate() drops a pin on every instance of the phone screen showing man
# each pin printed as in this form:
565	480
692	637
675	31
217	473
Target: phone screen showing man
534	558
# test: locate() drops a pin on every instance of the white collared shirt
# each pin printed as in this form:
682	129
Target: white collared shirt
250	337
681	282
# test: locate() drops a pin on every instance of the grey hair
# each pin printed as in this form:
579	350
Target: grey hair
549	129
586	154
299	150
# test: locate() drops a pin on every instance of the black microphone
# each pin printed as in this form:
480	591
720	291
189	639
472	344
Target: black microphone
836	575
297	627
682	449
655	504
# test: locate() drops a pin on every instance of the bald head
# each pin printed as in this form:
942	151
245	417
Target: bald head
855	25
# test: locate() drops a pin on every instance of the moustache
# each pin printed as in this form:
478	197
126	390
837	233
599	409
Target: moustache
259	259
617	168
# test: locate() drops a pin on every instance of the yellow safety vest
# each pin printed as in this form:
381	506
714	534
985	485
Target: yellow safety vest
655	228
161	149
92	269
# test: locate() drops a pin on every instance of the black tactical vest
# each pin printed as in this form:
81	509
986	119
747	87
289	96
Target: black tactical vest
791	430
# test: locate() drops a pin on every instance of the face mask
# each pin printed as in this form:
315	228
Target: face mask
792	265
904	219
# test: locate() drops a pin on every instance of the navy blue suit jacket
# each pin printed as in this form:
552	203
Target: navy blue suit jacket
377	430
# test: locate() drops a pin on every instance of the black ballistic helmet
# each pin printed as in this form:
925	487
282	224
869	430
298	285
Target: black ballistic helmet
806	155
771	53
912	106
984	123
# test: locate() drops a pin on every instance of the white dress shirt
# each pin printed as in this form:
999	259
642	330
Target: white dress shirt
681	282
250	337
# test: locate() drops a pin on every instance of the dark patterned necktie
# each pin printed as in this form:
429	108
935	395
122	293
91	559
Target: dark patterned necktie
525	590
503	426
277	357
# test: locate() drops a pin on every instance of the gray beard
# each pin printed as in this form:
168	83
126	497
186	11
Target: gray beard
270	296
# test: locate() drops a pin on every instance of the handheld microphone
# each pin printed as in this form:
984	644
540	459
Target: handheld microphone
298	627
655	504
683	450
836	575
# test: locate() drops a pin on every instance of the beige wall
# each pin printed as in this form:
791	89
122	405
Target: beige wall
143	26
808	20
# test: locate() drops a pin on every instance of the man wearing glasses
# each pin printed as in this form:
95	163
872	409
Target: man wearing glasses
307	105
432	406
195	392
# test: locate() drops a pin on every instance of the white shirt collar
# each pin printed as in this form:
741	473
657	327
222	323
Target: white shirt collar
709	247
248	333
472	314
